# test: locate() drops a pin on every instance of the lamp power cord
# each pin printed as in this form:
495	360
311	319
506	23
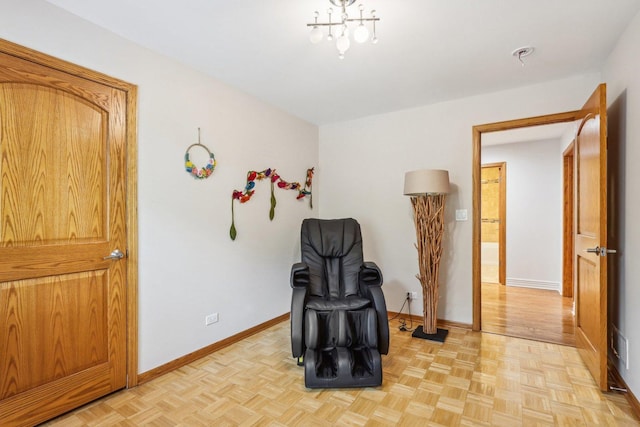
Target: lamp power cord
403	322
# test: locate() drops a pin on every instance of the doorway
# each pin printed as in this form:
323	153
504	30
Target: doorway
527	302
591	234
505	294
568	231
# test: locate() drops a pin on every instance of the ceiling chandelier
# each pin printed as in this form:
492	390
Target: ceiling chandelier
341	30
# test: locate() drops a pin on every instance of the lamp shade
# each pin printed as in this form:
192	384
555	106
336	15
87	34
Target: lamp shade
426	181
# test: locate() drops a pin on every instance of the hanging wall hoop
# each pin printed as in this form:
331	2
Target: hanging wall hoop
204	172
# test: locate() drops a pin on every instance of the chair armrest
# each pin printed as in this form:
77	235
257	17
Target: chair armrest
299	275
371	286
298	296
380	306
370	274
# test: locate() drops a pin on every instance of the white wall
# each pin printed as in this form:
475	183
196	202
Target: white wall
362	170
189	267
623	98
534	211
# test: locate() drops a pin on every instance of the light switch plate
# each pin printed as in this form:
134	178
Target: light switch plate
461	215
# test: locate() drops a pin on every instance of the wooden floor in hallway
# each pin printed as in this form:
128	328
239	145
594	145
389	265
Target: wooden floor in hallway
473	379
536	314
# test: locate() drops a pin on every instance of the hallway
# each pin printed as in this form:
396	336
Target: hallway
535	314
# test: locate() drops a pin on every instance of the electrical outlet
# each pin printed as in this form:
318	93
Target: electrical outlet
620	346
211	319
412	295
623	350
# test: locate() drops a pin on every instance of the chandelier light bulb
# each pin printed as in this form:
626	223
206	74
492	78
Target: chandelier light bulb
361	34
343	44
316	35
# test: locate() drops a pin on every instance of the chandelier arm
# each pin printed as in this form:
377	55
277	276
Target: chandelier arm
373	17
326	24
332	24
363	19
343	3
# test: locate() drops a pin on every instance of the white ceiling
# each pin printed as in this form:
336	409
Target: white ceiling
429	50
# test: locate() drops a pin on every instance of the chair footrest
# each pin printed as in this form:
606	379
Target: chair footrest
342	367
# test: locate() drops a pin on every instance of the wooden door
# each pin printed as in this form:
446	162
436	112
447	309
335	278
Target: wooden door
62	210
591	236
493	208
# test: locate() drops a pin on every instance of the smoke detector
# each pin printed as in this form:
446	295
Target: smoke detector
521	52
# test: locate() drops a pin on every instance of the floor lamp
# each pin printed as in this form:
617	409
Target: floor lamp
428	189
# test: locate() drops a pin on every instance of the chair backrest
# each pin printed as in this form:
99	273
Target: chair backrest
333	251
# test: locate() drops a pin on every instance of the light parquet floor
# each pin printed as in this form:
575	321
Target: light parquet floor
535	314
473	379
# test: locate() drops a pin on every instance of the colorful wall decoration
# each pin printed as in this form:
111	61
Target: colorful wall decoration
275	179
199	173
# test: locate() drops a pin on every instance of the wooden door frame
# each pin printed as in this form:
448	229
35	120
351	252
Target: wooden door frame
568	220
477	132
502	216
131	91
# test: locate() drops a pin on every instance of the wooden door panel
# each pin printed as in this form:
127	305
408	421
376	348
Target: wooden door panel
590	156
54	327
63	141
53	189
588	209
56	397
587	304
24	262
16	70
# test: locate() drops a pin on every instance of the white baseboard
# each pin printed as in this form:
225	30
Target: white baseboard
534	284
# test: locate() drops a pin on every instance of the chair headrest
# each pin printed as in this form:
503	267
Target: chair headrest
331	237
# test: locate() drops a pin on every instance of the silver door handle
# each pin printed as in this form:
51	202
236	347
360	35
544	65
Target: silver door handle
116	254
601	251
